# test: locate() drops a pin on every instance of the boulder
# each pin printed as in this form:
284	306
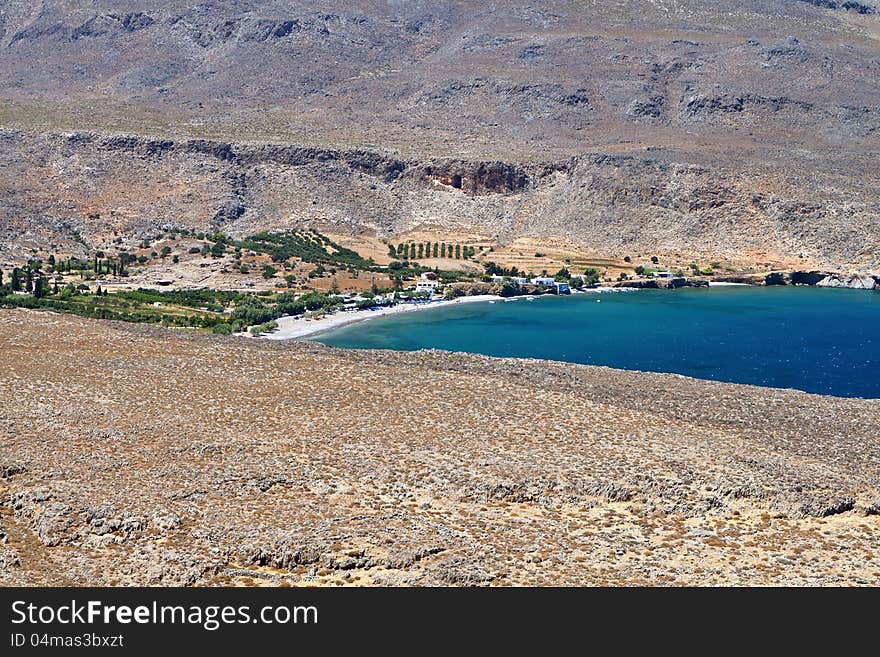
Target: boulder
852	281
807	277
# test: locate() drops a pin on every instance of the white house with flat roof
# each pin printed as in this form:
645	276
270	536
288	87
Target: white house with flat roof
426	286
562	288
544	280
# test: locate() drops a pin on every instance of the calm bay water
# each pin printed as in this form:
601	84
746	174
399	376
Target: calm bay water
818	340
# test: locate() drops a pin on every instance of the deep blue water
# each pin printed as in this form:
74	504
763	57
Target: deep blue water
818	340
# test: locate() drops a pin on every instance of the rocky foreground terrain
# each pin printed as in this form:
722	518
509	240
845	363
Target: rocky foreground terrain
139	455
742	131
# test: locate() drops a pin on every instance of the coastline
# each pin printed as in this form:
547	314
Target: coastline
294	328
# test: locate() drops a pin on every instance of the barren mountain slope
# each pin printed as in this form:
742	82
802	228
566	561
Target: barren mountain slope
133	454
721	128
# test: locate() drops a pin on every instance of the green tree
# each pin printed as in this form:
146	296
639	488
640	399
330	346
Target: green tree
436	247
458	251
218	250
391	252
269	271
29	280
640	270
39	287
166	251
421	250
655	259
443	250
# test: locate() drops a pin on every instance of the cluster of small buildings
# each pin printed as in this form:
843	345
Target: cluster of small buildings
546	281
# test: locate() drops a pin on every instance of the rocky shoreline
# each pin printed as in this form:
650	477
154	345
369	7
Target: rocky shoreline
814	278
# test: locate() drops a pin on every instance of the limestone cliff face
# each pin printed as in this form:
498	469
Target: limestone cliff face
77	188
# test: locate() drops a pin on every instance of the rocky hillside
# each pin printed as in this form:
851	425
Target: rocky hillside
727	129
137	455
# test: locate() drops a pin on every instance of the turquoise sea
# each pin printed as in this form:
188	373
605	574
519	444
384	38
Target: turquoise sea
818	340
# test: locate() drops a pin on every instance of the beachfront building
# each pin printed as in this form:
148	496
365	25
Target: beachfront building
509	279
562	288
426	286
544	280
663	274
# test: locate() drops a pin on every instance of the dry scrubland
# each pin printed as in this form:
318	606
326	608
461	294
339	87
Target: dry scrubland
137	455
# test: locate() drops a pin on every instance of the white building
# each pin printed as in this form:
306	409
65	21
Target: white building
426	286
562	288
663	274
544	280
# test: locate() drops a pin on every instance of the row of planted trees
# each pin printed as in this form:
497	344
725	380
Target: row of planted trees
422	250
27	279
37	283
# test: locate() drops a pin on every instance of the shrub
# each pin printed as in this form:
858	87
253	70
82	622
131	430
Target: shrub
267	327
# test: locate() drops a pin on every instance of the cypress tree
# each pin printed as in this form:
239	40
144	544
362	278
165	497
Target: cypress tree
28	280
39	288
435	249
16	280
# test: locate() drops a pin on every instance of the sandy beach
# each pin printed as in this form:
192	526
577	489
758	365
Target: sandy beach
293	328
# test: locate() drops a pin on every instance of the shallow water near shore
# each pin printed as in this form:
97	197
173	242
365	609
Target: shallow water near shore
817	340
